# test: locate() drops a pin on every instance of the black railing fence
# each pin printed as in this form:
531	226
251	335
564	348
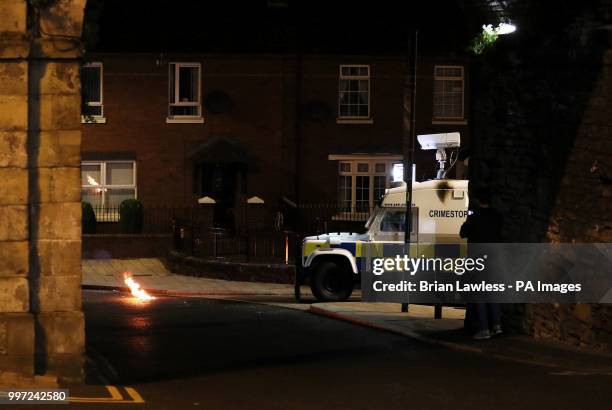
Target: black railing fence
260	233
255	246
277	241
155	219
314	219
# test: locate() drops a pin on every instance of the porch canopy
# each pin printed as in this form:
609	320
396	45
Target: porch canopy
219	150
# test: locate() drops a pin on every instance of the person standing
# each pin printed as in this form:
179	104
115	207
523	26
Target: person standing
483	225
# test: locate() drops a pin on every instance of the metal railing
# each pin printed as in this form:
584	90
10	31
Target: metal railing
278	242
275	240
254	246
320	218
155	219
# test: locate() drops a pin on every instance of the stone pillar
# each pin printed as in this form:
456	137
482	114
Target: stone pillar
40	211
206	213
256	219
16	319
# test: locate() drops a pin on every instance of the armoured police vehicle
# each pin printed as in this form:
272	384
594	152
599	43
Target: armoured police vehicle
332	262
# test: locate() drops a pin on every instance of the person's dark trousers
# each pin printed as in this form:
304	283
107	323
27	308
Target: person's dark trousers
489	315
470	323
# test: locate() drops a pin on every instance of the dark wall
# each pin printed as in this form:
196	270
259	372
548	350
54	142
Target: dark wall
542	117
536	97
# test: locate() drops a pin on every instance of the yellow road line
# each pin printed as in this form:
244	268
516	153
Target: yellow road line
115	394
134	395
115	397
106	401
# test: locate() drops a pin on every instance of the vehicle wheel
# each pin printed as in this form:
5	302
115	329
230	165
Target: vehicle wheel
331	282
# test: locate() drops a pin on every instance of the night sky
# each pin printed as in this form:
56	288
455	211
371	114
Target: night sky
315	26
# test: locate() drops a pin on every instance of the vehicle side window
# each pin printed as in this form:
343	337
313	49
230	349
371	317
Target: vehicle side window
393	222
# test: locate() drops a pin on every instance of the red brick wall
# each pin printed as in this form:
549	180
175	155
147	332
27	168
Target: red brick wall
135	105
263	91
384	135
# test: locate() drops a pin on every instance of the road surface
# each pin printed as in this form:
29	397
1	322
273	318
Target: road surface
179	353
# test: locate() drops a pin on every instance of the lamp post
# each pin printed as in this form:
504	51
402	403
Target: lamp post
409	125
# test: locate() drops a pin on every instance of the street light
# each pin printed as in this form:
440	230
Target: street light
505	28
501	29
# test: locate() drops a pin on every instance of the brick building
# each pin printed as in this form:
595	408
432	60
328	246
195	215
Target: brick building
172	128
285	99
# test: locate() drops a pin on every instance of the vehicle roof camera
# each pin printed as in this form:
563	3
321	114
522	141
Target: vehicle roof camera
440	142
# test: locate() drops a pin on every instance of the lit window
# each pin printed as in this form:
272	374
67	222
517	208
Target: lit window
184	92
362	183
448	93
92	106
354	92
105	184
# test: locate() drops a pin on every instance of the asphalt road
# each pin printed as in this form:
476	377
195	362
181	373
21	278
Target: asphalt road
182	353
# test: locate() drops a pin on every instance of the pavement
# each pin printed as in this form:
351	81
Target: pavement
417	324
154	277
448	332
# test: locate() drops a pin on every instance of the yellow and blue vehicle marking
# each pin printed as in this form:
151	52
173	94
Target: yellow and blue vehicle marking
362	251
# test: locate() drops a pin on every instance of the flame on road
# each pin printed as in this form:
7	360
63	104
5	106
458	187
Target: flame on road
135	288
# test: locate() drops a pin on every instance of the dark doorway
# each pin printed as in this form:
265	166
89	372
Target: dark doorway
220	165
225	184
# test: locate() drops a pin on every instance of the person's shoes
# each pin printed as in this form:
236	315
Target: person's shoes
497	330
483	334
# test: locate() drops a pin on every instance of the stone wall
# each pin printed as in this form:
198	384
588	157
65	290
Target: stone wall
41	323
16	321
542	129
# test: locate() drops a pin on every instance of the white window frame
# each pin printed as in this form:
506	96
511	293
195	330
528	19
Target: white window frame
193	119
348	119
354	160
96	119
442	120
112	215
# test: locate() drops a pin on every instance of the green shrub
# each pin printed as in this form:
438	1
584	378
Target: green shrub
130	216
88	219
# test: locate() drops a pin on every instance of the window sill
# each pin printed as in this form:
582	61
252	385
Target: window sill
195	120
449	121
354	120
93	120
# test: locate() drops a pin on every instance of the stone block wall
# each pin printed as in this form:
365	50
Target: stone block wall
16	320
542	130
41	323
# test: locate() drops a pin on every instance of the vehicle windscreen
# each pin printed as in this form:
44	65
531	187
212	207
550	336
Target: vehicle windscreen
392	220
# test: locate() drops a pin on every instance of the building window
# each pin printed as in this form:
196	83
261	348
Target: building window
105	184
448	93
92	106
362	182
184	91
354	92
